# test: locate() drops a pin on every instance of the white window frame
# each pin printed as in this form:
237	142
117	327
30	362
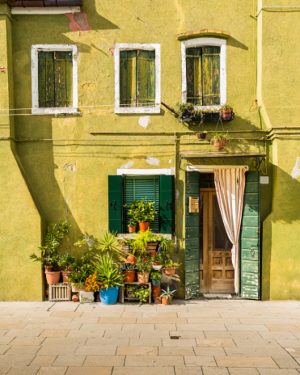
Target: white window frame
200	42
135	46
36	110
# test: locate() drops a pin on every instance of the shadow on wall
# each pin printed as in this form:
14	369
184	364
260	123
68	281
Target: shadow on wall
285	209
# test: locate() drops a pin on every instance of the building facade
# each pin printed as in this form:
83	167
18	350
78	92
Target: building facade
88	102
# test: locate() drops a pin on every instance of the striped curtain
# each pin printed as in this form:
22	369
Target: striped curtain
230	187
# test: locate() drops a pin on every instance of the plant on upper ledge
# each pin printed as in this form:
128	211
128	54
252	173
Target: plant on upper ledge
190	114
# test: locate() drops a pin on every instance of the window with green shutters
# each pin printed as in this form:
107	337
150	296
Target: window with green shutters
54	79
203	75
125	189
137	78
204	71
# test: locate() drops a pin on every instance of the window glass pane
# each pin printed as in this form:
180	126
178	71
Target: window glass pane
143	187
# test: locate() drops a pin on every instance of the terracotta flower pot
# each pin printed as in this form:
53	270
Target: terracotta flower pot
131	259
155	291
129	276
226	114
143	277
144	225
131	228
219	144
165	300
52	277
65	275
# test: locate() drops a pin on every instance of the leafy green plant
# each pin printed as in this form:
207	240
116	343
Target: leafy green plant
155	275
141	210
142	293
66	262
219	137
139	244
169	263
144	264
108	271
49	255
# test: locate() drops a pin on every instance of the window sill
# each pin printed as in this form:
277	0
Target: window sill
133	110
44	10
128	236
56	111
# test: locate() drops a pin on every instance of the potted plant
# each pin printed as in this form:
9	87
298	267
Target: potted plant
91	286
131	226
144	265
142	293
202	135
187	113
155	278
142	212
129	272
170	267
66	264
219	141
110	278
167	295
226	113
49	252
82	268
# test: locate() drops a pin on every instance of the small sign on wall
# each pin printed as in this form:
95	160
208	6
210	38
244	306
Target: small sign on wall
193	205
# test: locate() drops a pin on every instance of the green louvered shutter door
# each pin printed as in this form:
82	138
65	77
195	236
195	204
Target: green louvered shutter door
166	204
192	238
211	75
146	78
63	76
115	203
128	81
250	239
143	187
46	79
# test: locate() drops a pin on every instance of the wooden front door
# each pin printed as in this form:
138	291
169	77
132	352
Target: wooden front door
216	270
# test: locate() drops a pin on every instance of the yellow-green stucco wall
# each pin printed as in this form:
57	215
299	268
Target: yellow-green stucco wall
65	160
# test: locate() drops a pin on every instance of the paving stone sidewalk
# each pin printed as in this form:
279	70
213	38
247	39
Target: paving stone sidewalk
196	337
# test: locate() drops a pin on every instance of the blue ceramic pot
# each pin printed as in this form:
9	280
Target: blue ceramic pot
109	296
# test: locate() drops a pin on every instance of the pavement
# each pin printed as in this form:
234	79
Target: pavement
186	338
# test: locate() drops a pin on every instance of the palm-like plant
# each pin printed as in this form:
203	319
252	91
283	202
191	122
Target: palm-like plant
108	271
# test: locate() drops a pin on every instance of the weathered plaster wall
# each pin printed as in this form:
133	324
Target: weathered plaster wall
280	82
20	228
66	160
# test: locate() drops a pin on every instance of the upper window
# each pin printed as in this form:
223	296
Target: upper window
54	79
204	72
137	73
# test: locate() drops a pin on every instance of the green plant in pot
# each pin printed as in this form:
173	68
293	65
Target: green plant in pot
219	140
187	113
155	277
142	293
144	266
49	254
167	295
226	112
110	277
170	267
66	264
143	212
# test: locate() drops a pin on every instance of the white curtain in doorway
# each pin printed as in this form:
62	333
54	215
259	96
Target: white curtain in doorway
230	187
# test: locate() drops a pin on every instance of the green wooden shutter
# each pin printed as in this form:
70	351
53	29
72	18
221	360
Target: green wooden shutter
211	75
194	75
63	77
145	78
55	79
250	239
192	238
115	203
166	203
46	79
143	187
128	83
